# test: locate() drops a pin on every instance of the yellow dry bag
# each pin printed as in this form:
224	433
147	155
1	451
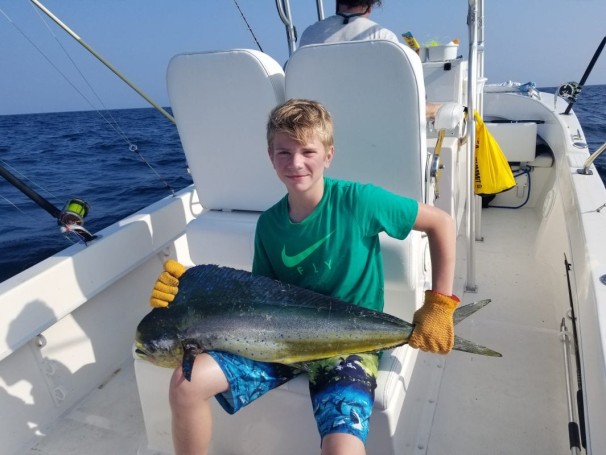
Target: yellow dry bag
493	174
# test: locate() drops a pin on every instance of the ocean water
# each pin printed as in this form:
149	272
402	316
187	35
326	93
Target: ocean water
88	155
85	155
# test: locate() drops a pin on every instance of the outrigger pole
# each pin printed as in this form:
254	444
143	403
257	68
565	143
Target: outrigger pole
102	60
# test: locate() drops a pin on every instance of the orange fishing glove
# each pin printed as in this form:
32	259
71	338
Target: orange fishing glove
434	328
167	284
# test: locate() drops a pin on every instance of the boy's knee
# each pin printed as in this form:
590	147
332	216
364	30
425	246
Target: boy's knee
183	394
342	444
207	381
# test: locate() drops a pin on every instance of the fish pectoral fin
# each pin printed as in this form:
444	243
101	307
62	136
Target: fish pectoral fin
190	350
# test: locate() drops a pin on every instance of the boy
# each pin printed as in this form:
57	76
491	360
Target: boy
323	235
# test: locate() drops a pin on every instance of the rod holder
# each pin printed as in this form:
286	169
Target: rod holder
589	161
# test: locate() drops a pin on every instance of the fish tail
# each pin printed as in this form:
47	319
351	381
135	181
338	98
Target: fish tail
465	311
461	344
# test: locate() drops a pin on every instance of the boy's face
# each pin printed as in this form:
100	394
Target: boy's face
300	166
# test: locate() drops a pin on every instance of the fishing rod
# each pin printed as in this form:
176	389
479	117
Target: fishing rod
571	90
575	431
71	218
102	60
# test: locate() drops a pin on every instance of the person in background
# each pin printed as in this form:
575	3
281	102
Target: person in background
336	224
351	23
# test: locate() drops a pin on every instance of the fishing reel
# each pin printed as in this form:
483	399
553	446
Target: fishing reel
568	92
71	219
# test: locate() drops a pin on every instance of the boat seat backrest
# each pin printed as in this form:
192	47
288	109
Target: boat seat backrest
221	101
375	93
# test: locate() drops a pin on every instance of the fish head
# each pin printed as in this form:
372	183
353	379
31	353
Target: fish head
164	353
158	342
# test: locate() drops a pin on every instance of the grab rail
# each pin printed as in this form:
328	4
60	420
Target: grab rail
283	7
589	161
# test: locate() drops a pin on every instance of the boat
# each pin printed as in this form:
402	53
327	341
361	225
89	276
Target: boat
71	383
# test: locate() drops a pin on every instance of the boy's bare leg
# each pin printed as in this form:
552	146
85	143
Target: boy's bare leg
342	444
190	405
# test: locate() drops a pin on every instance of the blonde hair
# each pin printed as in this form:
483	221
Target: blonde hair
300	119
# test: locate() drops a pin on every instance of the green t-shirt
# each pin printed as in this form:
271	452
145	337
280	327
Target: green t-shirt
335	250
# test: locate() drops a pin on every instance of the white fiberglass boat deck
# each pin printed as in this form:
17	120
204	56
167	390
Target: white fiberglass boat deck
474	404
66	369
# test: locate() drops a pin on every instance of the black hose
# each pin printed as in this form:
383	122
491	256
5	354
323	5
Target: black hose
522	172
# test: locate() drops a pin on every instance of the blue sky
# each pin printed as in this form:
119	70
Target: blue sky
546	41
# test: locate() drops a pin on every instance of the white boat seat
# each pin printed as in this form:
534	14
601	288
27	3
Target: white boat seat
221	101
235	183
376	95
380	134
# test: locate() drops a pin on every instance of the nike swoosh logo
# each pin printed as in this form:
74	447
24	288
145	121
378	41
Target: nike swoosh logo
293	261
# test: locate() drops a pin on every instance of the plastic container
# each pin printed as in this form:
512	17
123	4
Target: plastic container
442	52
423	53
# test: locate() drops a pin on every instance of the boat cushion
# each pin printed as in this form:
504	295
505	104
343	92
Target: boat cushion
224	238
221	101
227	238
375	93
518	141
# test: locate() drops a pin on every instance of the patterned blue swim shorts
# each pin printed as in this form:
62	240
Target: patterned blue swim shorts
341	388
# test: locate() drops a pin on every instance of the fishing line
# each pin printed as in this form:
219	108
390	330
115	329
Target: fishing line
23	212
47	59
113	124
109	119
67	234
248	25
134	148
28	180
65	77
56	68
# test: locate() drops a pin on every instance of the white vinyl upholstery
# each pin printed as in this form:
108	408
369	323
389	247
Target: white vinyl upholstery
518	141
374	91
221	101
379	120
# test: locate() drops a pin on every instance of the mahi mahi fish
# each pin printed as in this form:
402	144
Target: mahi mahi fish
224	309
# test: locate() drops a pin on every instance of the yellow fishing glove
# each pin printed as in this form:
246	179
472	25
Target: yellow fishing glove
434	328
167	284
